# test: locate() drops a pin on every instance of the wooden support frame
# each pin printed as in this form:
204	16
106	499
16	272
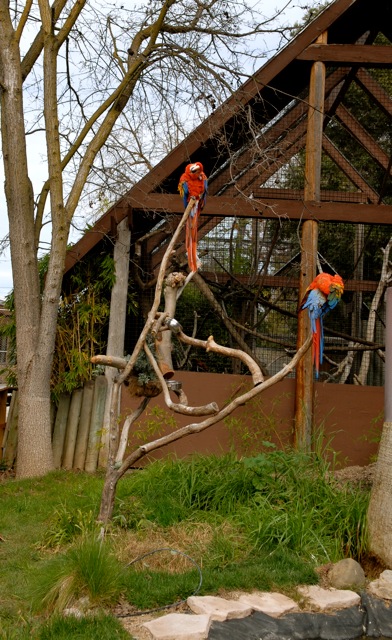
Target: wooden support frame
304	373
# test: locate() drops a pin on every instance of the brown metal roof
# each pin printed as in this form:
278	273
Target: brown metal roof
277	96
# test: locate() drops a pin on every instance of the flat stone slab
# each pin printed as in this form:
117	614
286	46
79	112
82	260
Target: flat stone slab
324	599
179	626
382	587
273	604
219	608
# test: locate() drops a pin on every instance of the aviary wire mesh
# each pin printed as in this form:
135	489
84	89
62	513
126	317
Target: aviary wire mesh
253	269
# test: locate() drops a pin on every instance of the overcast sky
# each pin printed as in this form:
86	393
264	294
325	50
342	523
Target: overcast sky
37	170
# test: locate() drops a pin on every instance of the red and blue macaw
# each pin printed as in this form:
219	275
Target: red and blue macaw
322	295
193	183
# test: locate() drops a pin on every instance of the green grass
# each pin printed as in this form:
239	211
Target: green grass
264	522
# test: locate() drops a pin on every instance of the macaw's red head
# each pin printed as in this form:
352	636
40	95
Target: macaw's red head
196	168
337	286
337	279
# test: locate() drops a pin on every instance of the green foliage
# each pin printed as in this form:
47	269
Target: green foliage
82	324
83	318
143	369
66	524
301	509
148	589
277	499
86	570
259	428
104	627
373	436
260	522
8	330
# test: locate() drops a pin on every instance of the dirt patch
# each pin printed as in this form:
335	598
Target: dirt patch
6	474
356	476
372	566
134	623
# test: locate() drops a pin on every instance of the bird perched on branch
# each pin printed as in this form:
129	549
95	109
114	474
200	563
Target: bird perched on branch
193	183
322	295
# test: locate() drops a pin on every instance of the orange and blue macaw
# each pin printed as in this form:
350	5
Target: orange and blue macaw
322	295
193	183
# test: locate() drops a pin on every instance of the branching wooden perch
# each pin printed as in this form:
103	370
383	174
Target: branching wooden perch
205	410
160	327
116	471
211	345
208	345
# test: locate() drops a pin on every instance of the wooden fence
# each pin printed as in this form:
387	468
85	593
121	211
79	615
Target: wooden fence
77	428
350	416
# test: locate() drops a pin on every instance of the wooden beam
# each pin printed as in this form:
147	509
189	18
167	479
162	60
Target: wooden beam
364	138
225	206
286	130
263	78
117	321
353	175
103	227
286	282
365	55
375	91
326	195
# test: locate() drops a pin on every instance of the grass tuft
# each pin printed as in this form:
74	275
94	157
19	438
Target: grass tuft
88	571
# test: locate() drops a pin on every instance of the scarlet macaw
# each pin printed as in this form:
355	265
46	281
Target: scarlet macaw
322	295
193	182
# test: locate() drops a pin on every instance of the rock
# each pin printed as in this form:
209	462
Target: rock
219	608
273	604
382	587
179	626
72	611
347	574
327	599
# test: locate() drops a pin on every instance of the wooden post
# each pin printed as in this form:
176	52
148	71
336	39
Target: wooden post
60	426
84	425
71	431
10	438
96	422
116	332
3	415
304	374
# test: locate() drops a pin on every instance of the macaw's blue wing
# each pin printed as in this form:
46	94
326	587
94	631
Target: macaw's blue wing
184	192
315	302
317	305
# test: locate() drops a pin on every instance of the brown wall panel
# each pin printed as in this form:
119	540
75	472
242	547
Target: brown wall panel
350	417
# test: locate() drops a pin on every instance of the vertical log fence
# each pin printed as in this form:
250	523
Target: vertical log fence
77	428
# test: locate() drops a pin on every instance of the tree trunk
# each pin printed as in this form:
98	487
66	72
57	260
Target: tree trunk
34	416
33	372
380	507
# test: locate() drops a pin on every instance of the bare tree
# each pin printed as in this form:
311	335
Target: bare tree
69	71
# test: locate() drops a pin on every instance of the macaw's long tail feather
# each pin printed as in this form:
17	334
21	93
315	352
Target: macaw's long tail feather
191	239
318	344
